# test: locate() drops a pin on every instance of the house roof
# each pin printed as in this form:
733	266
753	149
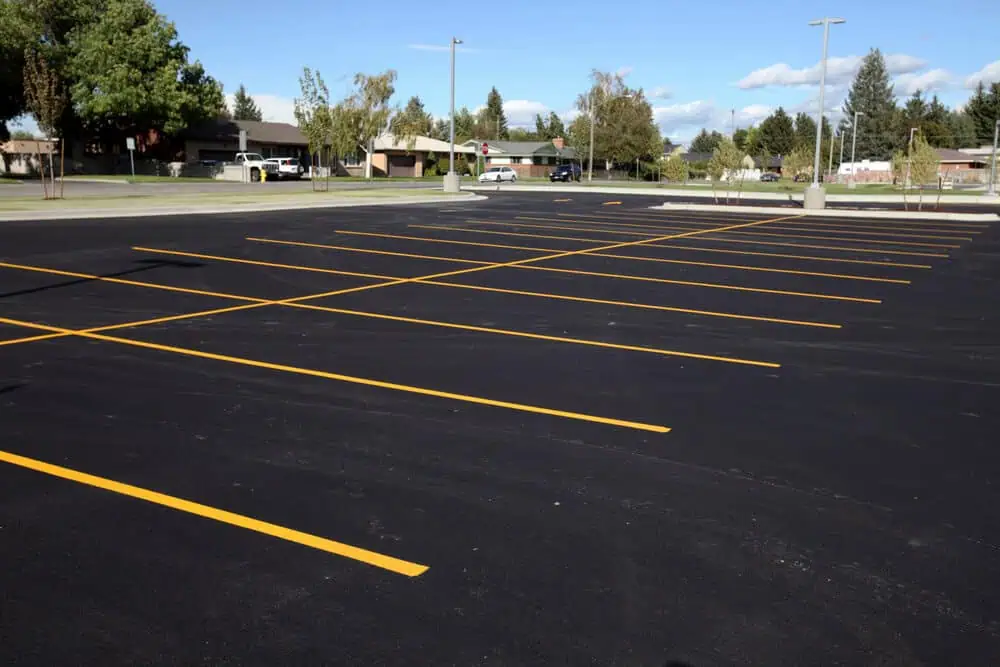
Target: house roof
696	157
951	155
257	131
421	144
520	148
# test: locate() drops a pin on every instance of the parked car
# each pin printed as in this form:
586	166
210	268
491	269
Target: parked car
257	165
806	178
769	177
498	174
566	173
288	167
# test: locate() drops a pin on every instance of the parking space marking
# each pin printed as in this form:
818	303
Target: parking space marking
861	232
597	274
706	231
359	554
563	297
667	245
381	316
694	218
311	372
561	201
742	267
611	203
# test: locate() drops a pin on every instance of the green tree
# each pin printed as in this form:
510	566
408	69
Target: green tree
726	163
244	106
465	126
494	117
412	121
984	110
799	161
556	127
365	114
522	134
962	130
805	130
740	138
872	94
777	133
705	142
674	169
46	99
314	116
923	165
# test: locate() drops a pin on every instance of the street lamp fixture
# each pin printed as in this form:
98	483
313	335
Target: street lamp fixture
826	23
451	181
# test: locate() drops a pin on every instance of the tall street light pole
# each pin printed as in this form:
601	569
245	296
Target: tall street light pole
825	22
993	168
452	179
854	145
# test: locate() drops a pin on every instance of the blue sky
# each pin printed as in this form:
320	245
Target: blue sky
700	58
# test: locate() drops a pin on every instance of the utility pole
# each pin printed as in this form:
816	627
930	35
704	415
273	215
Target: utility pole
854	144
829	169
451	181
817	199
992	191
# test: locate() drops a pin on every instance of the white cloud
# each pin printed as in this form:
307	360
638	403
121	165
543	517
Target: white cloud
274	108
440	47
624	71
987	75
661	93
673	116
935	79
838	70
521	113
752	114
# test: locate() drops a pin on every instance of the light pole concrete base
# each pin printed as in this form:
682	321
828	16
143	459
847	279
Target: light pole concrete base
814	198
851	185
452	182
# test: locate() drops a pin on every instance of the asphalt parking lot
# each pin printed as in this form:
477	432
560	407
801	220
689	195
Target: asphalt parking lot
538	429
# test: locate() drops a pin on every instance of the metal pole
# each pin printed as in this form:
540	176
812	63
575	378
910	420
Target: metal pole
819	120
840	163
854	144
909	157
993	168
590	161
829	169
451	152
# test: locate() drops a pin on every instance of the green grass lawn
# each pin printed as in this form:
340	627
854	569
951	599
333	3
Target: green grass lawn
126	178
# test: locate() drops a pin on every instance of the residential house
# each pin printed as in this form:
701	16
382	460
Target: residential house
19	157
528	158
219	140
393	157
953	160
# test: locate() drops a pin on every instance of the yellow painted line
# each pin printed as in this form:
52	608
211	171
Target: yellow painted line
690	283
611	203
598	274
839	229
381	316
667	245
272	265
709	231
381	384
630	304
561	200
646	214
372	558
743	267
29	339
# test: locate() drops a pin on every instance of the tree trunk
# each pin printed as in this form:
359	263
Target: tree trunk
41	169
62	167
715	197
920	200
937	204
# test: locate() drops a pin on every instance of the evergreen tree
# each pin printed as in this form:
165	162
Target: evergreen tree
740	138
984	110
495	116
413	119
705	142
777	133
244	107
556	127
872	94
805	130
962	130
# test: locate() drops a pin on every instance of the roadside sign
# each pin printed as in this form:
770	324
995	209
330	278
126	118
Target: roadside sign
130	143
486	148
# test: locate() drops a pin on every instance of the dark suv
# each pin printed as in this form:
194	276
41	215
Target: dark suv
566	173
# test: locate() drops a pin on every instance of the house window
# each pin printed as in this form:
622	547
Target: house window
350	160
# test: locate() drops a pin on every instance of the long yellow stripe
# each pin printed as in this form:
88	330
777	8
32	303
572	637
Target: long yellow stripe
373	558
743	267
345	378
706	231
667	245
598	274
692	217
359	313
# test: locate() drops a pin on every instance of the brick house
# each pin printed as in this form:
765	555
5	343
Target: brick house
528	158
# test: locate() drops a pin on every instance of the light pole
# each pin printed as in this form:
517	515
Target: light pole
993	168
909	157
840	162
854	145
451	181
817	201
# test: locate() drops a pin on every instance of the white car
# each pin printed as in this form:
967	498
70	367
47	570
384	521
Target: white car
288	167
498	174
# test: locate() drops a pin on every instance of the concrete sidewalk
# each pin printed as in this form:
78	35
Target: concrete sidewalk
652	191
135	209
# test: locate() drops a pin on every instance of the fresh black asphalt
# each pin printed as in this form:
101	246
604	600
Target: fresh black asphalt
839	509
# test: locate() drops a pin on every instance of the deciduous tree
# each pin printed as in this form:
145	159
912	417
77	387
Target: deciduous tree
923	165
46	99
314	116
674	169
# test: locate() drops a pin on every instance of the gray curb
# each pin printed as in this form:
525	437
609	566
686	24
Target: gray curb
832	213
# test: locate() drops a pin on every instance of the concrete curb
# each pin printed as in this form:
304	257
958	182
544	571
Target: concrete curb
707	194
831	212
215	209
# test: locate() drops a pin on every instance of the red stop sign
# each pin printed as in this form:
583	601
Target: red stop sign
486	148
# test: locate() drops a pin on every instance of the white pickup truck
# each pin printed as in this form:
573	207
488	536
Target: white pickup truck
255	164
